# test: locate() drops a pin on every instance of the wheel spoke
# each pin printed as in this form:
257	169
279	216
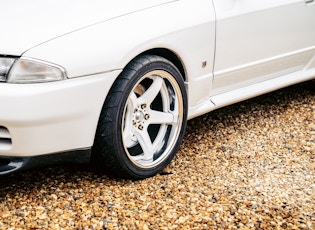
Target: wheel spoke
129	139
152	92
141	159
157	117
128	128
146	144
132	101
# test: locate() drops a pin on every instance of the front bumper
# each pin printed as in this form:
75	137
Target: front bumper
45	118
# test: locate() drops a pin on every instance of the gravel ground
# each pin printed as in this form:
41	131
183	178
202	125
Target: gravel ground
247	166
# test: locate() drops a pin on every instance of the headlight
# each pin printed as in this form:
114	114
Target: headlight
27	70
5	65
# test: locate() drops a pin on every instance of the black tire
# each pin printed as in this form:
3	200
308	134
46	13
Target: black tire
143	119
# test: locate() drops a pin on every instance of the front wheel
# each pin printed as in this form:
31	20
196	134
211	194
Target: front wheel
143	119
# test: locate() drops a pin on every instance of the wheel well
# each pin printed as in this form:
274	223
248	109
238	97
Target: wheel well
169	55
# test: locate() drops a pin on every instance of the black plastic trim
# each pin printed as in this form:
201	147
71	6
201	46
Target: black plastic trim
14	164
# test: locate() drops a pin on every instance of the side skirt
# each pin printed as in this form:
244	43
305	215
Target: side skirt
264	87
244	93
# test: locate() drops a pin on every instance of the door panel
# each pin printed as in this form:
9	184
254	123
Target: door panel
261	39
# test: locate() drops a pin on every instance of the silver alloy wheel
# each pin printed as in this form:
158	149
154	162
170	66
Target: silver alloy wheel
152	119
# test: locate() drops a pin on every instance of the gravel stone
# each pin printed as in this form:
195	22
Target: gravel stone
246	166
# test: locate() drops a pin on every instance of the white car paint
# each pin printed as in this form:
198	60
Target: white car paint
39	21
191	36
54	117
230	50
260	40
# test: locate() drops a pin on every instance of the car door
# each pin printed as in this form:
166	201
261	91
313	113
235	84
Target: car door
257	40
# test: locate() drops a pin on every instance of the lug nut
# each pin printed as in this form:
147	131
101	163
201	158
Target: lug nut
147	116
140	127
143	106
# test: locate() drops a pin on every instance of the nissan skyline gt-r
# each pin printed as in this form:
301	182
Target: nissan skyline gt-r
113	83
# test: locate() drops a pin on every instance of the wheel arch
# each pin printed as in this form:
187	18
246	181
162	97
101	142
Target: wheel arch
169	55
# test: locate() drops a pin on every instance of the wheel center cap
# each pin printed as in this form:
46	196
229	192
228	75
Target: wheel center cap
139	116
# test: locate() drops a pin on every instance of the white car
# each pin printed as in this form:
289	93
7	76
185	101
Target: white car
116	81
